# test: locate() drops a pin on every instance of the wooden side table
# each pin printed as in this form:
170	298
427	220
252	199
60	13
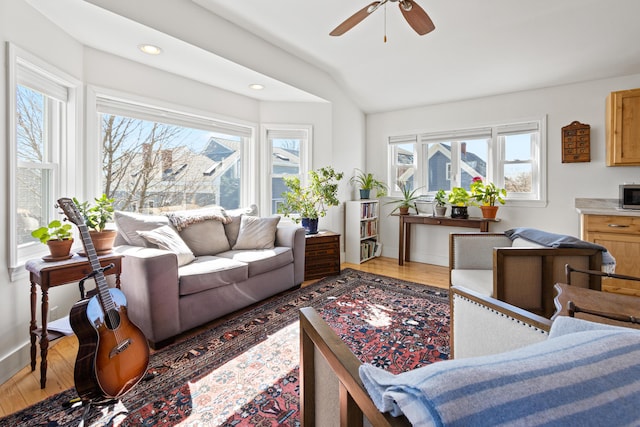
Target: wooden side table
51	274
321	255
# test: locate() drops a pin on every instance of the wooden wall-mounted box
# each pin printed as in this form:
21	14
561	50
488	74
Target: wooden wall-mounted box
576	143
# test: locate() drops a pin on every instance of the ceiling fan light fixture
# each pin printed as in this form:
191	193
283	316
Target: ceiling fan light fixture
406	5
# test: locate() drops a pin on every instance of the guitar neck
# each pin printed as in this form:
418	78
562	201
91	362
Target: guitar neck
98	275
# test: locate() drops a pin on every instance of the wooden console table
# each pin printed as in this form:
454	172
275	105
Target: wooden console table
51	274
405	222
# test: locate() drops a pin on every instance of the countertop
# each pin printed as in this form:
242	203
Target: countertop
602	207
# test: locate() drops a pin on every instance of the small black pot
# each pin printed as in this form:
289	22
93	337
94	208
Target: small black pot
459	212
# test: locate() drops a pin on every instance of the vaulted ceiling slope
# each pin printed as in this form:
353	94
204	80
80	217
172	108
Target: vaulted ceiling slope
478	48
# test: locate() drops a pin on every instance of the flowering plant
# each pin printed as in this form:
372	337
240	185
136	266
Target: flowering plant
487	194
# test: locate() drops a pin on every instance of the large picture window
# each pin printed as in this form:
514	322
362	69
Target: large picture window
156	160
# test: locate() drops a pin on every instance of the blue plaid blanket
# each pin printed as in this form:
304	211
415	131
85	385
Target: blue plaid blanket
587	378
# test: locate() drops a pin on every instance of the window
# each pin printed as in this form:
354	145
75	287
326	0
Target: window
155	159
512	156
42	108
287	153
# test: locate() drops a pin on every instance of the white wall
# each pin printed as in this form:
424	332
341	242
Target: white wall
338	127
584	102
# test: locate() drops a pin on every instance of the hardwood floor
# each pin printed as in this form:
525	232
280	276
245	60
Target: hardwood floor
23	389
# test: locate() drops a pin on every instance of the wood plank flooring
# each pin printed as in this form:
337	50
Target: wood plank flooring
23	389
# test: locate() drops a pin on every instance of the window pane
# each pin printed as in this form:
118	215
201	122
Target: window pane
518	166
32	202
439	166
474	154
153	167
30	125
285	157
404	156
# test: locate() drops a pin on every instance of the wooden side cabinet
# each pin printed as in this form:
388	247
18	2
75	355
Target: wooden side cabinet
322	255
623	128
621	236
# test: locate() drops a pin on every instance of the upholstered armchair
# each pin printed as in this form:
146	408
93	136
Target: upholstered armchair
518	272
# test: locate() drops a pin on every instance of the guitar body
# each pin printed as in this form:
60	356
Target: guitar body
113	354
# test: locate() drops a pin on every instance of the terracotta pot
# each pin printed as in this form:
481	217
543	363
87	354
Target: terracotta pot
103	240
489	211
60	248
404	210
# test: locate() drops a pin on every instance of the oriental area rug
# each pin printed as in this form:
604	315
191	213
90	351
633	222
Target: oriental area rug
244	372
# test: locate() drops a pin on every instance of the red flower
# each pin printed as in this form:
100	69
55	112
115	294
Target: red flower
477	179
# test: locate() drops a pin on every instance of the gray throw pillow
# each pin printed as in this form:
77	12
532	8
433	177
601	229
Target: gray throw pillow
166	238
232	228
257	233
129	223
206	238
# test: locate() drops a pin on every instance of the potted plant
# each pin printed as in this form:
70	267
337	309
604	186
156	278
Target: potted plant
367	182
440	203
57	236
311	202
408	199
96	218
459	200
486	196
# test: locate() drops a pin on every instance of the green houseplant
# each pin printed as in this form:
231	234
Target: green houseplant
459	199
440	199
310	202
57	236
366	182
96	218
486	196
407	200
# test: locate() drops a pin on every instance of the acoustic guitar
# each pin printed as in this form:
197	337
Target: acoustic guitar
113	354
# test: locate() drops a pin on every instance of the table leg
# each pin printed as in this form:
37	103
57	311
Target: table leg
33	326
44	339
407	242
484	226
401	241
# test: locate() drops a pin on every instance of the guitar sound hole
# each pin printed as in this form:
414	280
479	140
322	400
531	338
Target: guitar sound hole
113	319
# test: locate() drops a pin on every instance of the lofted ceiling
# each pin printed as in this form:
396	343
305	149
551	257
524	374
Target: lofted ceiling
479	48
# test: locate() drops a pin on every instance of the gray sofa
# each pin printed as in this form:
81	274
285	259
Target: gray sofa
213	268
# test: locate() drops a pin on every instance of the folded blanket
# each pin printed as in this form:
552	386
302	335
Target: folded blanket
584	378
183	219
553	240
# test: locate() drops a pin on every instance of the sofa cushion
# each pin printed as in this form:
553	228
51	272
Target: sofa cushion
232	228
257	233
476	280
129	223
208	272
206	238
261	260
167	238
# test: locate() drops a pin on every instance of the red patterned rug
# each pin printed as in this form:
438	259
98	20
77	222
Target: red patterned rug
245	371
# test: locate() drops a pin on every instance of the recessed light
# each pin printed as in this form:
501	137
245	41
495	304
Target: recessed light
256	86
150	49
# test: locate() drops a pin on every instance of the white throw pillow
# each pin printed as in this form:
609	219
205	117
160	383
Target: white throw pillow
166	238
129	223
257	233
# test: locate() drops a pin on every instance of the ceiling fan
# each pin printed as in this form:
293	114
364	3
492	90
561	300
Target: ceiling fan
414	14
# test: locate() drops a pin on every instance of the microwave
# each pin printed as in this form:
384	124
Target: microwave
630	196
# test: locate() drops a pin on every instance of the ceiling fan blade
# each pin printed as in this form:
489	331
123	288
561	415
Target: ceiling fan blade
416	17
356	18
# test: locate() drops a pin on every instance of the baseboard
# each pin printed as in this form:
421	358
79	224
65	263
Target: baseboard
14	361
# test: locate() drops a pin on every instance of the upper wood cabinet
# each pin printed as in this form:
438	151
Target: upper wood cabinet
623	128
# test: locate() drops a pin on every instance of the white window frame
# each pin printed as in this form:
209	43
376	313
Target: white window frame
283	131
139	107
495	156
26	69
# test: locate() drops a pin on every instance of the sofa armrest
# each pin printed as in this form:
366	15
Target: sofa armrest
150	283
293	237
331	392
482	325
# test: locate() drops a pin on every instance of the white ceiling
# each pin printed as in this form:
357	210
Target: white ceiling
479	48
